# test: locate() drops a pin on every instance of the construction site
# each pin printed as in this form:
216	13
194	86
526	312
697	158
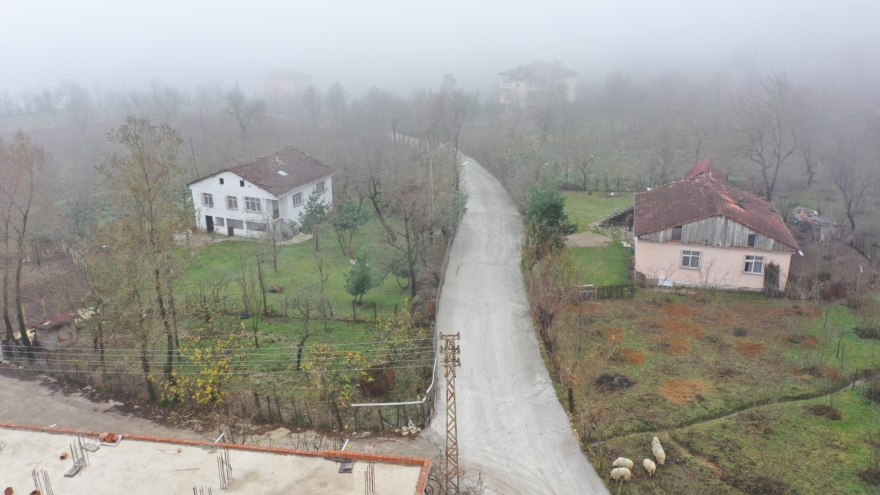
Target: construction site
50	461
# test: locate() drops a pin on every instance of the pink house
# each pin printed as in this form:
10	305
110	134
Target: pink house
287	84
705	232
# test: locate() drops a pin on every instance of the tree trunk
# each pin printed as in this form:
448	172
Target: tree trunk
169	334
22	325
145	364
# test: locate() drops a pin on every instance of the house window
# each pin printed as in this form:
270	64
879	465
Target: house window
297	199
754	264
219	222
221	181
253	204
241	183
751	240
258	226
235	224
690	259
676	233
320	187
208	199
231	202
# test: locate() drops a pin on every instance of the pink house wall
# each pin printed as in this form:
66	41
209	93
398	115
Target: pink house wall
719	267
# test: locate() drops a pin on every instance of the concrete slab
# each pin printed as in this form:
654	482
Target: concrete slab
140	466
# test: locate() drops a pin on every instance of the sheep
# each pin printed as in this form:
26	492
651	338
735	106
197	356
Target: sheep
650	467
623	462
655	441
620	473
659	453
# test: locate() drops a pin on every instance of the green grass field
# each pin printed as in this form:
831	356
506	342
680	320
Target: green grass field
607	265
583	208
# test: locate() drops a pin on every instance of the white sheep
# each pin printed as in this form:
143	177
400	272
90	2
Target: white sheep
655	441
620	472
622	462
659	453
650	467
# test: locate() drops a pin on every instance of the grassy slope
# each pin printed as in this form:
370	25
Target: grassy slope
691	338
583	208
607	265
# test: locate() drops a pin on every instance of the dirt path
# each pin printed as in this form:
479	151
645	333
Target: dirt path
511	426
37	403
808	397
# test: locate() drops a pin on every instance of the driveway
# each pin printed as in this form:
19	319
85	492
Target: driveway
511	426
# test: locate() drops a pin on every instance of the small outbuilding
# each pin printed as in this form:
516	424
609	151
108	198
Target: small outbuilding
55	332
810	224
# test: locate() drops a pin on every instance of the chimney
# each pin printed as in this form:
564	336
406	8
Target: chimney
740	201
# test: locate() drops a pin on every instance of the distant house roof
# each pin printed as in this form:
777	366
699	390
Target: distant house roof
286	74
280	172
706	167
806	215
52	321
700	197
538	70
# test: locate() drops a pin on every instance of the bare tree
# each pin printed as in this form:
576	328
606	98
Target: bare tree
852	173
23	167
48	100
166	101
765	125
337	99
243	109
79	104
666	153
311	100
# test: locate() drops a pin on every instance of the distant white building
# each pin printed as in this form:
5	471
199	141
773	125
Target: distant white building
248	199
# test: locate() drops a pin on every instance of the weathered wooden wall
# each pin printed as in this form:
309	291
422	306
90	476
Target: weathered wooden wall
720	232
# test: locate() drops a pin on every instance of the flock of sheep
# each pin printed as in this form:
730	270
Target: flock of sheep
623	466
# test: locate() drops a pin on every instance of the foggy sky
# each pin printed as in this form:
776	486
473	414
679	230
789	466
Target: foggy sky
405	44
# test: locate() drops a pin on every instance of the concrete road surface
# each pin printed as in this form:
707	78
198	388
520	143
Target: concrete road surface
511	426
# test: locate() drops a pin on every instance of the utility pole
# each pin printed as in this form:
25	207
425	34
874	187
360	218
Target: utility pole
451	361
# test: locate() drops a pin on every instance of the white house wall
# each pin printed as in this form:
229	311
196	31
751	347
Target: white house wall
231	187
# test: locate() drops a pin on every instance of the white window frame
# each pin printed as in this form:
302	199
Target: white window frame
753	261
320	187
297	199
691	256
208	200
231	202
254	205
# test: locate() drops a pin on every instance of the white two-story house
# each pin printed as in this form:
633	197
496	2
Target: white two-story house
252	198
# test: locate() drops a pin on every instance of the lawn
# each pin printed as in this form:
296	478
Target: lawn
297	272
599	265
584	208
670	359
607	265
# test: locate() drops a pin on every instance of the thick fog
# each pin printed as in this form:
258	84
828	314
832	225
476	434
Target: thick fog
403	45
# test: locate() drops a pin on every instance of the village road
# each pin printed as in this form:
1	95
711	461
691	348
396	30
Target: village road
511	426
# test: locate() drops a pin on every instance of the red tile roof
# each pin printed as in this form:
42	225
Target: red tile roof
538	70
706	167
298	170
700	197
52	321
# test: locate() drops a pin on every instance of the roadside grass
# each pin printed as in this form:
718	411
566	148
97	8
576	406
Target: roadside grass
694	356
607	265
778	448
584	208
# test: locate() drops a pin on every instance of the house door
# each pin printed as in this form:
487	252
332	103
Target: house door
209	222
230	231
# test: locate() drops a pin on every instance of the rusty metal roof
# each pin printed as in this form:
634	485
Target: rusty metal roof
706	167
52	321
700	197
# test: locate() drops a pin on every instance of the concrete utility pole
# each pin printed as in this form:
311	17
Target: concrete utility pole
451	361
